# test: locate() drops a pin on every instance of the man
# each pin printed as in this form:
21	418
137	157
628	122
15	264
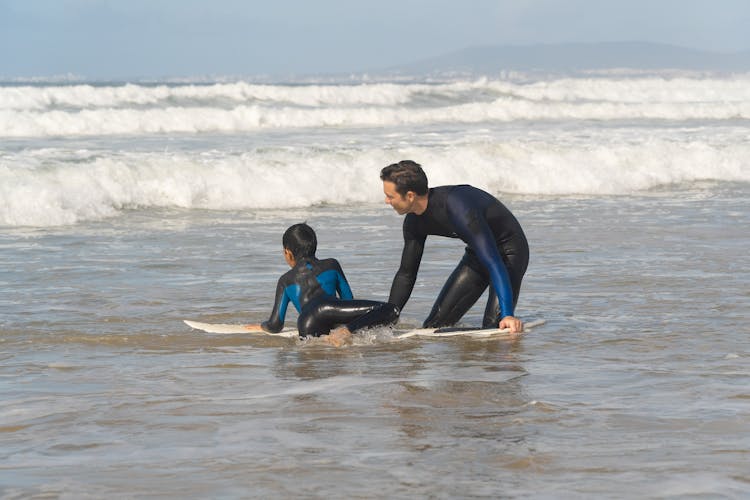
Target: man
497	252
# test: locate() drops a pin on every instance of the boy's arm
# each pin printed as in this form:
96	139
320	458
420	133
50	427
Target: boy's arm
342	285
275	322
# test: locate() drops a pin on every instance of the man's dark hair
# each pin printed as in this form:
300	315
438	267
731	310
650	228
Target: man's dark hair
300	239
407	175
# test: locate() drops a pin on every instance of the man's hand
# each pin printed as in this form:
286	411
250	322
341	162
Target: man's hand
515	325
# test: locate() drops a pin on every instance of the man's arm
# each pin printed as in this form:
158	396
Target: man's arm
403	282
471	225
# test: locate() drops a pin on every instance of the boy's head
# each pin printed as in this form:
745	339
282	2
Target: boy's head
300	240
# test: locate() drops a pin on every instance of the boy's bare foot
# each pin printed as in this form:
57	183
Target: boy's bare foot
338	337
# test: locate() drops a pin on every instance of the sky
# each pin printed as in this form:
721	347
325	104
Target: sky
116	39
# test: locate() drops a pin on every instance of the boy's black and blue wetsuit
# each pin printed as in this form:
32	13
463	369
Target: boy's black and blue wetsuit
311	286
496	253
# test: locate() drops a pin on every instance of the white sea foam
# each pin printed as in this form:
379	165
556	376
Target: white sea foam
229	146
55	187
634	90
89	96
251	118
87	110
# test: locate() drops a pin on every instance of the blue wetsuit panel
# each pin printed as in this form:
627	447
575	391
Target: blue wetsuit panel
332	281
291	294
308	279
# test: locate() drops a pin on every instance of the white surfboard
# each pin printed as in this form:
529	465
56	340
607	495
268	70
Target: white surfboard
470	331
229	329
419	332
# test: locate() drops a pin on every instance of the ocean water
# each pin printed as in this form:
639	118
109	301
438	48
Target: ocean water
125	208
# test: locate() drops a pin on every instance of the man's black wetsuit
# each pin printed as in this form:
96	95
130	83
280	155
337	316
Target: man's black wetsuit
497	252
311	285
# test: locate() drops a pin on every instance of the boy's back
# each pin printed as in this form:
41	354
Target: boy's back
309	279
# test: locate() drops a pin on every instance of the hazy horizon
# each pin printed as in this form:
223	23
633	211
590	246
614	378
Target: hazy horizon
106	39
486	60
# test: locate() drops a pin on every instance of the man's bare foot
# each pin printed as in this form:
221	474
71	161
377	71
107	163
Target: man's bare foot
338	337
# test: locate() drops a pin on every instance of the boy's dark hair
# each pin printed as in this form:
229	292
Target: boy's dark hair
300	239
407	175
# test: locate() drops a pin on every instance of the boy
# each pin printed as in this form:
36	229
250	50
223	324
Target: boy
312	285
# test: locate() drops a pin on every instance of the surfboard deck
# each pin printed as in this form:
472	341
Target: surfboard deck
418	332
231	329
466	331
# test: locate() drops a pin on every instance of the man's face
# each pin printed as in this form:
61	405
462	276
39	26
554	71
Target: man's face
401	204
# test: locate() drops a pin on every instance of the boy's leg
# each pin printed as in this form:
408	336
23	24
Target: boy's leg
357	314
320	318
369	314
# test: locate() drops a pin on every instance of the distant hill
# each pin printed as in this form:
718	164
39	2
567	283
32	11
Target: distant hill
575	57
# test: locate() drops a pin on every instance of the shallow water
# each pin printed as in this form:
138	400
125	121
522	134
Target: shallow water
637	385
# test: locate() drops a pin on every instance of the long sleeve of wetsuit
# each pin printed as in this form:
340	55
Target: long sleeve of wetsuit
406	276
471	225
342	285
276	321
